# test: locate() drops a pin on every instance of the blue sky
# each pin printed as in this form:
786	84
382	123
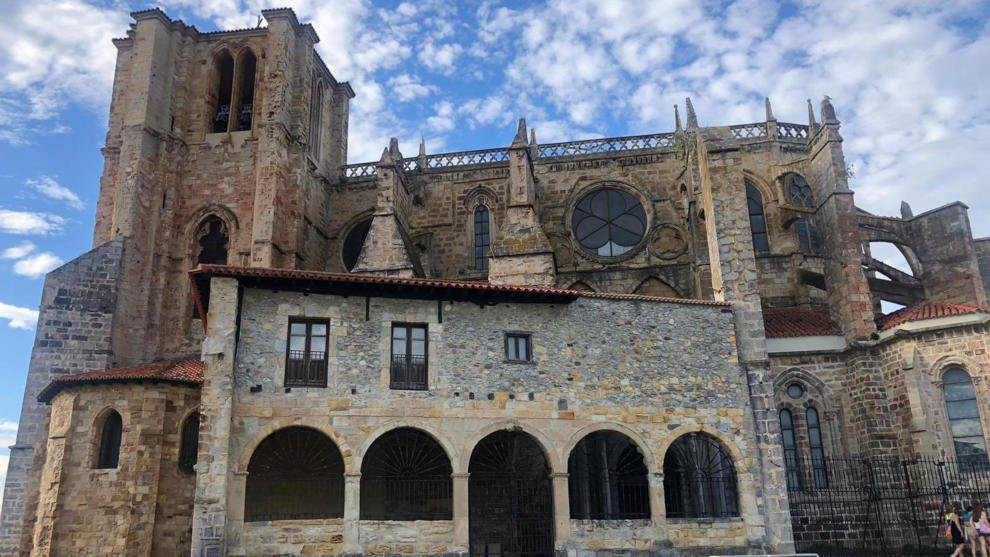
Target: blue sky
908	80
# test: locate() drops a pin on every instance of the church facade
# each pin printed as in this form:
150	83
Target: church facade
664	344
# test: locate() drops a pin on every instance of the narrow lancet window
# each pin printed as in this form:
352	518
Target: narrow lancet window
482	237
108	452
225	88
800	194
245	90
790	450
757	219
964	418
316	119
818	469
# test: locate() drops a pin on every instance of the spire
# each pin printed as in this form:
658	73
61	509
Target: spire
422	147
677	119
828	111
692	118
393	148
906	212
770	117
532	136
811	114
520	139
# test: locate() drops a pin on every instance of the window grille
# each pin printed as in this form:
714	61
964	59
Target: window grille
108	454
699	479
790	450
306	360
409	360
189	444
518	347
406	476
964	417
757	219
607	479
482	237
296	473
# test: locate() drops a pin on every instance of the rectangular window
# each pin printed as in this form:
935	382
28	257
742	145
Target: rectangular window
517	347
408	358
306	360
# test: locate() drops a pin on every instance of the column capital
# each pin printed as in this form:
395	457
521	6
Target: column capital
559	475
352	476
460	475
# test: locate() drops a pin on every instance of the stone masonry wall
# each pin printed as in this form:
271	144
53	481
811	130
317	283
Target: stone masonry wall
142	507
656	372
73	335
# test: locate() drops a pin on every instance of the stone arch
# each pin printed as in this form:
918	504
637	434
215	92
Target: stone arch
906	251
406	474
581	286
707	490
770	193
276	424
452	453
552	456
578	194
359	219
472	195
941	365
245	85
220	211
648	456
188	451
655	286
222	70
294	473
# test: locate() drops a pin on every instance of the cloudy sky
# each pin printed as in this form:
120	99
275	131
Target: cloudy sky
908	80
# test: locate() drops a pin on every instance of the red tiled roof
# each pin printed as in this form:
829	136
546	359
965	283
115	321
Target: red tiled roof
927	309
187	370
478	286
798	322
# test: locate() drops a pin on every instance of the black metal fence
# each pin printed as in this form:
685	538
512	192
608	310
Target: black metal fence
879	506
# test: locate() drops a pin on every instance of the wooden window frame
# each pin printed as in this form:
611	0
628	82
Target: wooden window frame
309	322
528	338
393	384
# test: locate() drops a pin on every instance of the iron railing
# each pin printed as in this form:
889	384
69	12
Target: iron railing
566	149
306	369
288	498
885	506
408	372
407	499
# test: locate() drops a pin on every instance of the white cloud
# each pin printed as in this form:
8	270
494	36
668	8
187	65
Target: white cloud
18	317
47	186
54	52
443	120
29	222
18	251
8	434
37	265
440	58
406	87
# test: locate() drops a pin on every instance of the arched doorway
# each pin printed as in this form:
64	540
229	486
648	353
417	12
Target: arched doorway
510	497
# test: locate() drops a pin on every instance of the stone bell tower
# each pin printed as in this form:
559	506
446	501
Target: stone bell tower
220	149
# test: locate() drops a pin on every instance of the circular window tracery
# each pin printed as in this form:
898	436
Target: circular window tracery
795	390
608	222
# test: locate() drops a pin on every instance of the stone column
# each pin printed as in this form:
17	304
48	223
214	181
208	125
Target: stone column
561	508
462	533
216	399
658	508
352	514
51	474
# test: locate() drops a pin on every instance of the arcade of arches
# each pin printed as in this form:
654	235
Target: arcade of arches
298	473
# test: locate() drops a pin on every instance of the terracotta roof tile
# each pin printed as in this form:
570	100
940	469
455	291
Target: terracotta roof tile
188	370
927	309
479	286
798	322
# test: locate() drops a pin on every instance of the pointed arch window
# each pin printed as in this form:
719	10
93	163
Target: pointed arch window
316	118
224	92
800	194
212	240
482	236
189	443
247	65
964	417
108	452
791	463
757	219
819	472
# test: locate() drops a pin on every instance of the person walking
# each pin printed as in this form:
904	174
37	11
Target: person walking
969	530
954	530
982	527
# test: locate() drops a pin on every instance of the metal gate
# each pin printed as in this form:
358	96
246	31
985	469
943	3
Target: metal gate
879	506
510	498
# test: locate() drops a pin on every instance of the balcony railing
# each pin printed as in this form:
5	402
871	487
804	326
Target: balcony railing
306	369
408	372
